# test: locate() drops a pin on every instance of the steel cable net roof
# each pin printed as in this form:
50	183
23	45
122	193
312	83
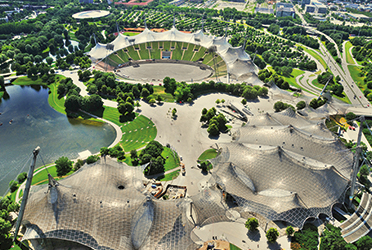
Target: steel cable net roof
103	206
209	207
275	183
238	62
325	150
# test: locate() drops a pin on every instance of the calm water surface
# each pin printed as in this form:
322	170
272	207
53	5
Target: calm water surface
35	123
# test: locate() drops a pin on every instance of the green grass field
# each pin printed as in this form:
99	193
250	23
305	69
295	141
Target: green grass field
344	99
198	54
233	247
208	154
123	55
292	80
160	90
166	45
173	161
316	56
132	53
170	176
136	133
177	52
144	53
42	177
354	72
188	53
349	57
116	59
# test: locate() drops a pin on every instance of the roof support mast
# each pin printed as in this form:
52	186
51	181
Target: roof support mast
26	192
356	166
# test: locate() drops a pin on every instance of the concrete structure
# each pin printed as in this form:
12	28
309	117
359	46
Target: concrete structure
310	9
359	16
91	14
321	9
283	11
238	63
305	2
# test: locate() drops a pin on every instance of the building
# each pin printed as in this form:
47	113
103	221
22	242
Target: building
359	16
321	9
305	2
310	8
177	2
284	5
86	1
283	11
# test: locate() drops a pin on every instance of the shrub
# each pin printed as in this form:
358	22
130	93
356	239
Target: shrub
251	224
272	235
92	159
300	105
21	177
13	185
79	163
289	230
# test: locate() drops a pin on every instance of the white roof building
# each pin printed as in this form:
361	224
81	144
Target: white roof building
238	62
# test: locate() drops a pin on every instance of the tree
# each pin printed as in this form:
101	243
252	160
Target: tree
79	163
364	243
223	101
159	99
289	230
133	154
63	166
21	177
145	93
251	224
104	151
350	116
152	101
72	103
272	235
213	130
5	237
13	186
244	101
49	60
92	159
300	105
218	101
174	112
2	83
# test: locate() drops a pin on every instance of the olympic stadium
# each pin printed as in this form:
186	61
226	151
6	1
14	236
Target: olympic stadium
196	55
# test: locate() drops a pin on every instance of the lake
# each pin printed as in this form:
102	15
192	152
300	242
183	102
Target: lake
35	123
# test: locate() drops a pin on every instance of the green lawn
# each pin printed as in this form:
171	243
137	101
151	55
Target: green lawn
173	161
188	53
177	52
136	133
349	57
166	45
124	56
160	90
116	59
1	94
42	177
292	80
233	247
143	51
354	72
208	154
316	56
132	53
131	33
170	176
199	54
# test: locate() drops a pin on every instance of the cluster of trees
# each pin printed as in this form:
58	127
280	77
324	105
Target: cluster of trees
6	206
331	239
306	40
362	49
363	176
271	235
115	152
330	46
187	92
334	86
152	153
216	123
280	106
307	238
267	76
316	103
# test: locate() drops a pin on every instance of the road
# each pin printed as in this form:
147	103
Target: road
351	89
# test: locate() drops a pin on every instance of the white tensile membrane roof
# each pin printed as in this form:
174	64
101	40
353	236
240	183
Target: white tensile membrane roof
238	62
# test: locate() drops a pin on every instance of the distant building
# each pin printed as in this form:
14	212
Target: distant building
305	2
359	16
321	9
310	8
177	2
283	11
284	5
86	1
352	6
